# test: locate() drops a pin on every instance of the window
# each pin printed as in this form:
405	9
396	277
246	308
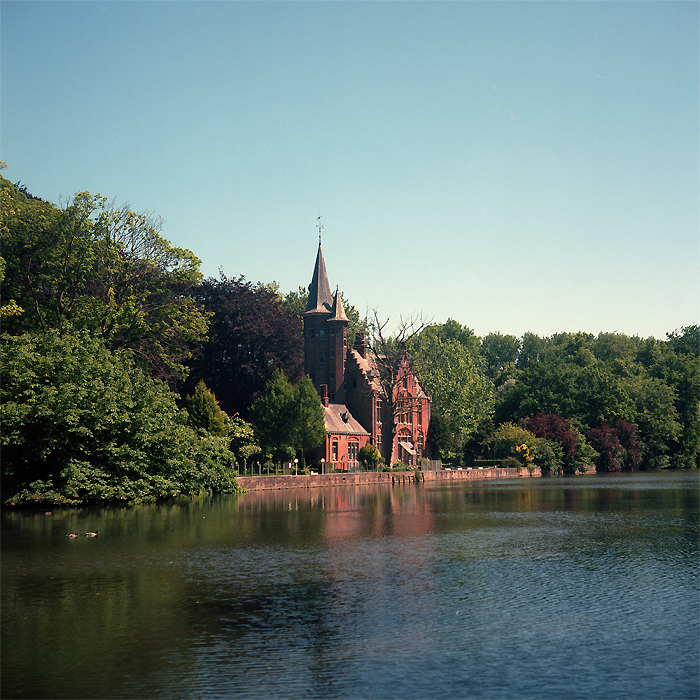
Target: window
332	375
332	353
322	333
332	330
322	357
354	382
334	451
312	333
420	414
353	449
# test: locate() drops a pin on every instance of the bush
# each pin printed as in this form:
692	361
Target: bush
369	456
548	456
510	463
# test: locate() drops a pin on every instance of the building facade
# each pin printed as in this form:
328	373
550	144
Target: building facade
359	407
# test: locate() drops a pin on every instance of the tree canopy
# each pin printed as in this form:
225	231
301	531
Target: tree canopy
83	424
251	335
94	266
446	357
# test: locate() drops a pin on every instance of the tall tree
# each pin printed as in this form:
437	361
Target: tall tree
678	365
288	420
250	336
106	269
499	352
447	360
311	427
274	418
205	411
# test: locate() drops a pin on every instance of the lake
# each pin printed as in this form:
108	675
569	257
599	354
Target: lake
560	587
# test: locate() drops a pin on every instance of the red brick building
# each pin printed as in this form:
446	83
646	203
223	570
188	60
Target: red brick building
347	380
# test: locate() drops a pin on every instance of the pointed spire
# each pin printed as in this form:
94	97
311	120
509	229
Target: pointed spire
338	310
320	299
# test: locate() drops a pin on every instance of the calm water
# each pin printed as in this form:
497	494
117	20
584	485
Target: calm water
580	587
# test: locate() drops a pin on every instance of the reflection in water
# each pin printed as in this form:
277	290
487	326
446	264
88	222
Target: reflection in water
562	587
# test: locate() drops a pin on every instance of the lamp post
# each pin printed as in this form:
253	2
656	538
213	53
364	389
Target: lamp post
323	465
296	461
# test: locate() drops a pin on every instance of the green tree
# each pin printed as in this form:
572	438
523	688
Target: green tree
205	412
311	427
287	419
656	416
499	352
105	269
82	424
274	418
678	365
448	368
440	437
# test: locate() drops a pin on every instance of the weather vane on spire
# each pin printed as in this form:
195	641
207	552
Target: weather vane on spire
319	225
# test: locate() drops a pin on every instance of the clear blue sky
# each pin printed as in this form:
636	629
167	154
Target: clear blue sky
515	166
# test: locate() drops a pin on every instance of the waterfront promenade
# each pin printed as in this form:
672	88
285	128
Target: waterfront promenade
261	483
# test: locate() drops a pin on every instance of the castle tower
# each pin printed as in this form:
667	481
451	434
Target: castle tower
325	335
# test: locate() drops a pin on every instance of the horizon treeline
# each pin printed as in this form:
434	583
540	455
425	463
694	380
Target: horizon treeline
112	337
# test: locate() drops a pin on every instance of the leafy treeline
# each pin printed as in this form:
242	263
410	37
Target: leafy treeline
112	340
620	402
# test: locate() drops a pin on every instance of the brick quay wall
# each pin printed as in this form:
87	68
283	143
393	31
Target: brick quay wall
262	483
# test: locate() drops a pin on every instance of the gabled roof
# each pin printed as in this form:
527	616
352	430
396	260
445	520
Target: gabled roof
320	299
368	367
370	370
339	421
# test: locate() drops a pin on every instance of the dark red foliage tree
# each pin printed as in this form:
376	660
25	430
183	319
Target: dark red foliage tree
626	434
557	429
250	336
605	442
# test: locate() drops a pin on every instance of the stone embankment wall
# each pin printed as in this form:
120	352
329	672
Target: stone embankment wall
260	483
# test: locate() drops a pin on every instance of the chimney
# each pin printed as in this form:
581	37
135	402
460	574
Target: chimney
324	394
360	344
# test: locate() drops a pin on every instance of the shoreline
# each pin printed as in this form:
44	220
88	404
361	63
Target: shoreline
269	483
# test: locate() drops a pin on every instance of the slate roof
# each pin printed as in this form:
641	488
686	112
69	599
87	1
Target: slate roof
320	298
336	424
338	309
